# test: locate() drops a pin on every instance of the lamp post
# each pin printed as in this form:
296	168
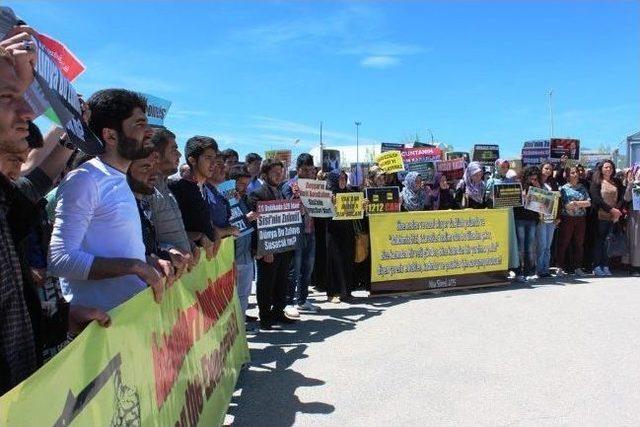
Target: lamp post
357	152
551	111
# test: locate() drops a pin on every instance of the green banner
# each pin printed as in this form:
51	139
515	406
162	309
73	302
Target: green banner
169	364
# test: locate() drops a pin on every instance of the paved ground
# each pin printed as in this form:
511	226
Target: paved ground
554	353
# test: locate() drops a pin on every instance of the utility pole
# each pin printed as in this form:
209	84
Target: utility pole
551	111
357	152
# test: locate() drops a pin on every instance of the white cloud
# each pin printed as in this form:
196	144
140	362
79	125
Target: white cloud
380	61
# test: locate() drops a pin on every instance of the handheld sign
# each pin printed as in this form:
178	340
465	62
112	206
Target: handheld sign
52	86
390	146
390	161
564	147
279	226
383	199
635	194
238	218
486	154
349	206
316	198
452	169
451	155
540	200
507	195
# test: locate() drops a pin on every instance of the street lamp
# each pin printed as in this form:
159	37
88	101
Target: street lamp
357	152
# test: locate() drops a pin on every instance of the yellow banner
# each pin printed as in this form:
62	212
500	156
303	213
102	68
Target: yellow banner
349	206
390	161
169	364
423	244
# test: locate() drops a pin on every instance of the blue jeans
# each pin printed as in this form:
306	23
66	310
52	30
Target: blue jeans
600	257
526	233
244	277
545	239
301	269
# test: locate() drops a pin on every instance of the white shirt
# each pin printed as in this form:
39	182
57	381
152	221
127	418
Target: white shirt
96	216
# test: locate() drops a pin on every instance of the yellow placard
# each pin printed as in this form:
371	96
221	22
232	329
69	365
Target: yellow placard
169	364
390	161
349	206
424	244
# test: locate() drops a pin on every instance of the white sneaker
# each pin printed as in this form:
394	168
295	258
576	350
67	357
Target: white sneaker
560	273
291	311
533	278
606	271
598	271
580	272
307	306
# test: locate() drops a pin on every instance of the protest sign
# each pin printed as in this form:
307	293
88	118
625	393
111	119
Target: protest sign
279	226
238	219
535	152
635	195
486	154
55	89
316	198
434	244
157	109
330	160
591	160
157	364
417	144
451	155
452	169
390	146
67	61
411	155
356	179
559	147
507	195
539	200
390	161
383	199
349	206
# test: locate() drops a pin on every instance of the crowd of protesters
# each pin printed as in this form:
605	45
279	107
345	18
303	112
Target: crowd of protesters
83	234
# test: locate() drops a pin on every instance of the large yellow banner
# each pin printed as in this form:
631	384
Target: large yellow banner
169	364
423	244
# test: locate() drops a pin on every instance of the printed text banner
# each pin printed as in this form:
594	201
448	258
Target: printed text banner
415	245
169	364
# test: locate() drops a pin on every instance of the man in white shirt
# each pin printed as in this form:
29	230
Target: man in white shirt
96	245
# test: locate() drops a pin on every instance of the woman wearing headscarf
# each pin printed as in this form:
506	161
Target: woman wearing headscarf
413	196
633	221
471	191
340	247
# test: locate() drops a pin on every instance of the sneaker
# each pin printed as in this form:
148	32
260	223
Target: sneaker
635	273
335	300
598	271
533	278
560	273
521	278
606	271
291	311
580	272
307	306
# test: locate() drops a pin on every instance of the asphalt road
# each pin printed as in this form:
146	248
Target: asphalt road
549	354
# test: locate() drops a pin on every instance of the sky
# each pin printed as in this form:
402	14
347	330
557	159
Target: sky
261	75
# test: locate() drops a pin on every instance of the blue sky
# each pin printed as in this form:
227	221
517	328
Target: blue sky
260	75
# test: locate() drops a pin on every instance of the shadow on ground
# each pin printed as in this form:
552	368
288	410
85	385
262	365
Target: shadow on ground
266	391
